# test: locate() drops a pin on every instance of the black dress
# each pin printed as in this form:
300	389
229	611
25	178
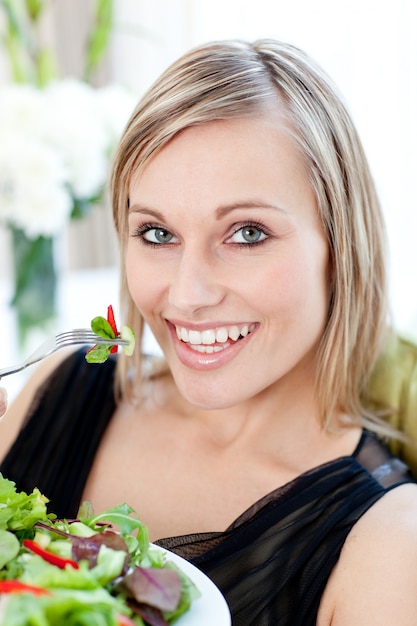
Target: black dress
273	563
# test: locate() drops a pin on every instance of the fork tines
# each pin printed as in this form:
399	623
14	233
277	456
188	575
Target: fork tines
84	335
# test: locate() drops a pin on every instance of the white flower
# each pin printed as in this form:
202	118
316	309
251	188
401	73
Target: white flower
22	111
116	105
33	192
55	149
76	130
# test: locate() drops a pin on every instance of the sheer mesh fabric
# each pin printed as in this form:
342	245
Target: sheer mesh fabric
386	469
273	563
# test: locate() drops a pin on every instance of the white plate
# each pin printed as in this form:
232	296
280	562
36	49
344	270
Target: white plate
210	609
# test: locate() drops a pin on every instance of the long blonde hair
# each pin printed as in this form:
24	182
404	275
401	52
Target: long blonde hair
234	79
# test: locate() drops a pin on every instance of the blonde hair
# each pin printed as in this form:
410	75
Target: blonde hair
235	79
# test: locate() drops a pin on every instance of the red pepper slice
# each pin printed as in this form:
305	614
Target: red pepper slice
17	586
112	321
54	559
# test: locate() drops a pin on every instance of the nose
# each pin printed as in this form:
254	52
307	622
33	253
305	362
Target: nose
196	283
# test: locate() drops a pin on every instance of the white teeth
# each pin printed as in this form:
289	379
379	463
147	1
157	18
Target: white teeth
221	335
194	337
210	336
234	333
208	349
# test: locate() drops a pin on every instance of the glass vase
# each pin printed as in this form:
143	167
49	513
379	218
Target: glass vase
35	283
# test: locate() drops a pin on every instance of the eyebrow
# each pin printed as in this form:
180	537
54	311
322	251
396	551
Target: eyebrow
139	208
220	212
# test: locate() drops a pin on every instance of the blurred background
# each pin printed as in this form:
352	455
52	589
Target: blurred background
70	74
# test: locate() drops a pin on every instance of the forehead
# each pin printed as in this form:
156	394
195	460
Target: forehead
236	151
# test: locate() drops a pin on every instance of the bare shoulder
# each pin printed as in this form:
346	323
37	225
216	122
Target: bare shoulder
375	580
11	422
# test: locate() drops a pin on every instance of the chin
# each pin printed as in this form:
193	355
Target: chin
208	390
202	397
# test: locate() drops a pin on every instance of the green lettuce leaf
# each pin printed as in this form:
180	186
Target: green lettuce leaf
102	327
69	607
19	510
98	354
9	547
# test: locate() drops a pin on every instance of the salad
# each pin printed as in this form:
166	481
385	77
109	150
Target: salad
97	570
107	328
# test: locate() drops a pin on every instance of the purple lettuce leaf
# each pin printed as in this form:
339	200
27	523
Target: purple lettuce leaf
149	614
157	587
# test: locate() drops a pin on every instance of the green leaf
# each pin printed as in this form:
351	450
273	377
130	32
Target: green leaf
82	206
19	510
109	566
29	62
34	9
47	69
100	36
98	354
16	44
102	327
121	515
9	547
86	509
72	607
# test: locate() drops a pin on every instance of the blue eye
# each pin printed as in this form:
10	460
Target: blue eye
249	234
157	235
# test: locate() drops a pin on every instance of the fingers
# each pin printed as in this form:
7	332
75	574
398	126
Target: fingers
3	401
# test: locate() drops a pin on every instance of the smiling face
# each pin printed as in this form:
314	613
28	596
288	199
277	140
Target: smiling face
227	261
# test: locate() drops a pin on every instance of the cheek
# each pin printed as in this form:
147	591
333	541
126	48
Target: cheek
297	287
142	284
314	285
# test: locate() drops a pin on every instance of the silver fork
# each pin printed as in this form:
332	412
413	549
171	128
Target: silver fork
78	336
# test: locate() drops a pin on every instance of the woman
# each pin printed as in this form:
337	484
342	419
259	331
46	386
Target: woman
253	247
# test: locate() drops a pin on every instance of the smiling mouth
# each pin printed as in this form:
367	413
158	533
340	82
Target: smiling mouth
213	339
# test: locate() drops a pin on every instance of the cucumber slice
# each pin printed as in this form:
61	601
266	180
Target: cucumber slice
127	333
